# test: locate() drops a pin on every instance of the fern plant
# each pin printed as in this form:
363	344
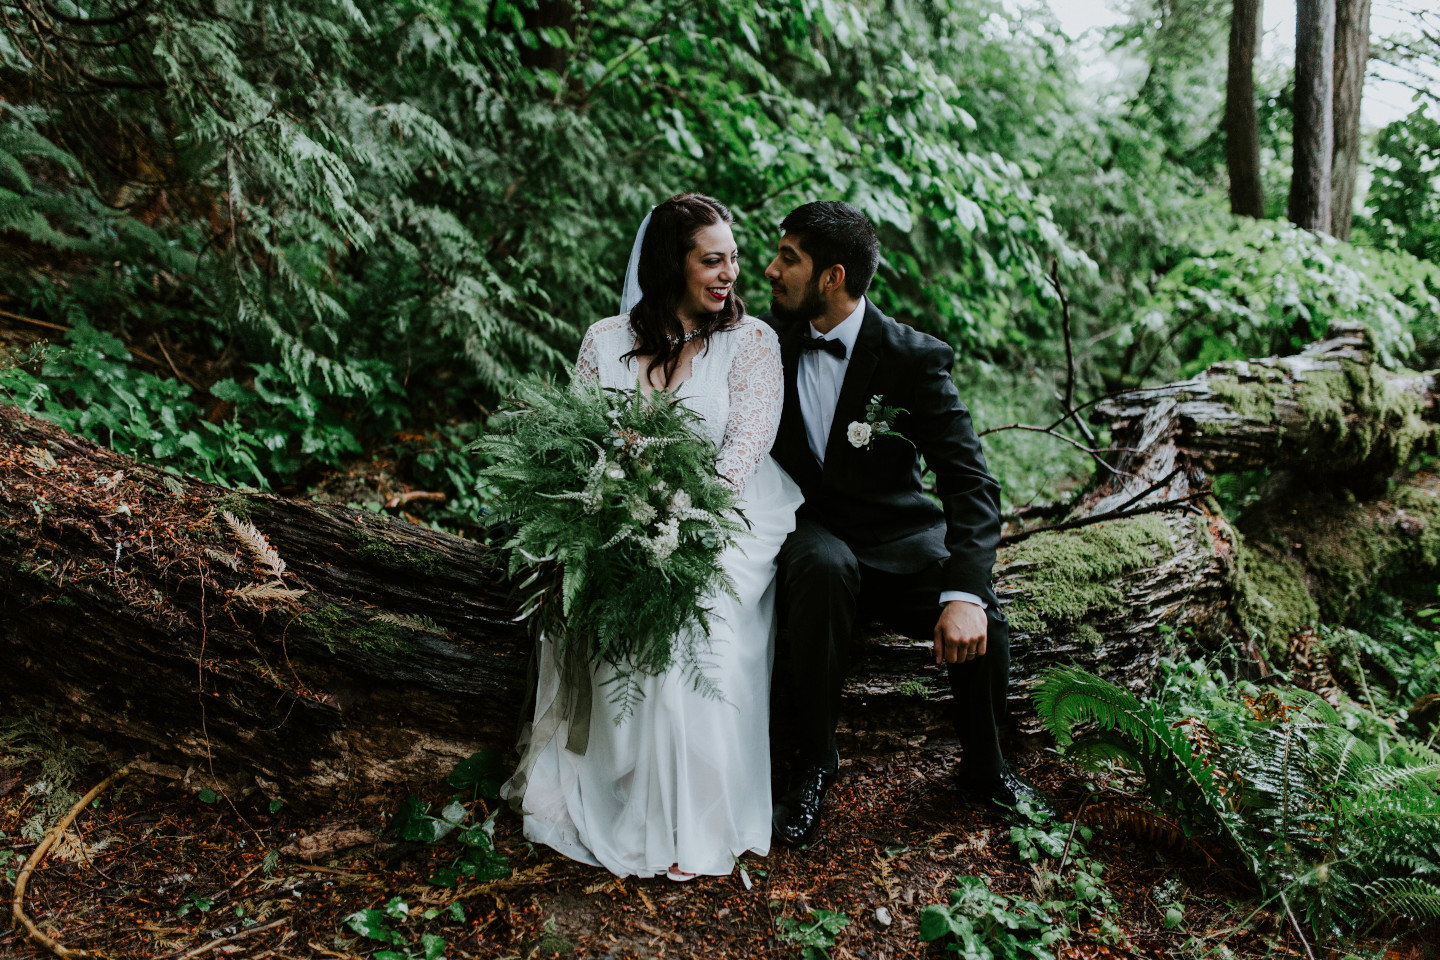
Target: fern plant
1346	830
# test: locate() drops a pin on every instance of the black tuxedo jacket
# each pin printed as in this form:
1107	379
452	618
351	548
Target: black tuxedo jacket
872	498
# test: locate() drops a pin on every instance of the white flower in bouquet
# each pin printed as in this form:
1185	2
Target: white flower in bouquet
680	502
666	539
858	434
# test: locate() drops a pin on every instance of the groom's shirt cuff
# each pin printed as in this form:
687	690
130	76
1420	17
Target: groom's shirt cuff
948	595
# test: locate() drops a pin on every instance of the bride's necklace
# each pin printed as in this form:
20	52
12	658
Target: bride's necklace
681	341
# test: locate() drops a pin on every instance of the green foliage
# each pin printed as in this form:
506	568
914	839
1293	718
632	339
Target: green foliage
379	925
980	924
815	935
1404	199
617	522
1263	288
1345	824
486	771
365	216
194	903
1388	661
415	824
477	857
25	740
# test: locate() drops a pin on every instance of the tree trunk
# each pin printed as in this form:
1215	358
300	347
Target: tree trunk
346	651
1314	137
1352	56
1242	123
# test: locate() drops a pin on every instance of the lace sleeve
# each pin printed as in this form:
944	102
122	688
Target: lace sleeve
757	391
587	365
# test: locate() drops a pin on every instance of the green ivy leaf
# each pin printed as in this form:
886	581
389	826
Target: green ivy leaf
372	925
485	771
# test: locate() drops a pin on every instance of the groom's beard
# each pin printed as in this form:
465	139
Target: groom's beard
812	305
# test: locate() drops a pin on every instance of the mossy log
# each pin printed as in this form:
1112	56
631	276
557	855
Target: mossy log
310	650
1333	431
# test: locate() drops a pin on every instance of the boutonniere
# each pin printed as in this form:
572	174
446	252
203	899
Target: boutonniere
878	419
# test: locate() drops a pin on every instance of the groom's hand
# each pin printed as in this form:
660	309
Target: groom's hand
960	632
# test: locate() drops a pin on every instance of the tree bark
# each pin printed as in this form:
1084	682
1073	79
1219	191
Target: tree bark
347	651
1242	123
1352	56
1314	137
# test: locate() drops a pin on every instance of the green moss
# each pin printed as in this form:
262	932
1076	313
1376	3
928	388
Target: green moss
1076	572
1365	414
337	628
236	503
414	561
1088	635
1271	598
1349	548
1253	393
1358	407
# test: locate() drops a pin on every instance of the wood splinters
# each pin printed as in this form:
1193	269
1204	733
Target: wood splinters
17	902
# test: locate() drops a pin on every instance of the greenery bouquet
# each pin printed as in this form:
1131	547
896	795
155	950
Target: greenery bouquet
617	519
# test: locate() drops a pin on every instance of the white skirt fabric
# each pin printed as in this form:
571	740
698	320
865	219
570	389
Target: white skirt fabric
685	780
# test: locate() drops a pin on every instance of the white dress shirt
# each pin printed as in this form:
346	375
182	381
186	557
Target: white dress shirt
818	379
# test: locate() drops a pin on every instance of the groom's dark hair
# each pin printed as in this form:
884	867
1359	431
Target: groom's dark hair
833	232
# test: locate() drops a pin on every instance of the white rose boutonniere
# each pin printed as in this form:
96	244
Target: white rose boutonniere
878	418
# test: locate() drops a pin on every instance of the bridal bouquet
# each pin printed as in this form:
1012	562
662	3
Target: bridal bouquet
617	520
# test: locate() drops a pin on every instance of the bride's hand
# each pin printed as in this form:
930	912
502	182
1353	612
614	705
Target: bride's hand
960	632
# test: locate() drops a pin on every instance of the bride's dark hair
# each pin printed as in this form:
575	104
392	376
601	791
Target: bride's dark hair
668	241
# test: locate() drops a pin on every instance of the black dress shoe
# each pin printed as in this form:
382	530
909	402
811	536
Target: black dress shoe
1004	791
797	813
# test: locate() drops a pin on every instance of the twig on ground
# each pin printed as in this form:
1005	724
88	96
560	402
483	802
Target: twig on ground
1298	932
1074	823
234	936
17	902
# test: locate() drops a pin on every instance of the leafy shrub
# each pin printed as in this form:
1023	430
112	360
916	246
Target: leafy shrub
1346	829
814	935
275	431
1404	199
1264	288
981	923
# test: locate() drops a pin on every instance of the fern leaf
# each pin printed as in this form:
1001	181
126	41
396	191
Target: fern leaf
258	593
255	541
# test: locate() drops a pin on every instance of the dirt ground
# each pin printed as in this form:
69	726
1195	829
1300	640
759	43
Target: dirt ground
154	871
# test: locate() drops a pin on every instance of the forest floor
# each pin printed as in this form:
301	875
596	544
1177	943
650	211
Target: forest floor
154	871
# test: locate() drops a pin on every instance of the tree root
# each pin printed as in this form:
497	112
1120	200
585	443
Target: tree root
17	903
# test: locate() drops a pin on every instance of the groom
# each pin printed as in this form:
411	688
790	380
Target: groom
869	545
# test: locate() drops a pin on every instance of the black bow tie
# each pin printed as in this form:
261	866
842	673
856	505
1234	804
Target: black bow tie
834	347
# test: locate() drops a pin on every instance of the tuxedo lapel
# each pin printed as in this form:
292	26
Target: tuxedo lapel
855	390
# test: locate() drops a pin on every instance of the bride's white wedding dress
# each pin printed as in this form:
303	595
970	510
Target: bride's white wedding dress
685	780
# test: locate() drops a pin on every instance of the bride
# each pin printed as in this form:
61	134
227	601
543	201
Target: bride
682	786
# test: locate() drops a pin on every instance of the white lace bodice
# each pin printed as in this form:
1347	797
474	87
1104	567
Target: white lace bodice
736	385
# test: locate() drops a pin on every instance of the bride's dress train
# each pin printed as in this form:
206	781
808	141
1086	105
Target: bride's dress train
684	780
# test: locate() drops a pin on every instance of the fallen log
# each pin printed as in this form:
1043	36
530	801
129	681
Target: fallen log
309	650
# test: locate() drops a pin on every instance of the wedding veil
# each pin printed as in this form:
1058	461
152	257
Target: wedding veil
630	293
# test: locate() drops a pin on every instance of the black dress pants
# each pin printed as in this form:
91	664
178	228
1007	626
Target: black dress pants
826	596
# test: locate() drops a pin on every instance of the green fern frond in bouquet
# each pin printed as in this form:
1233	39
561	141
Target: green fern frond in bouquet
616	520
